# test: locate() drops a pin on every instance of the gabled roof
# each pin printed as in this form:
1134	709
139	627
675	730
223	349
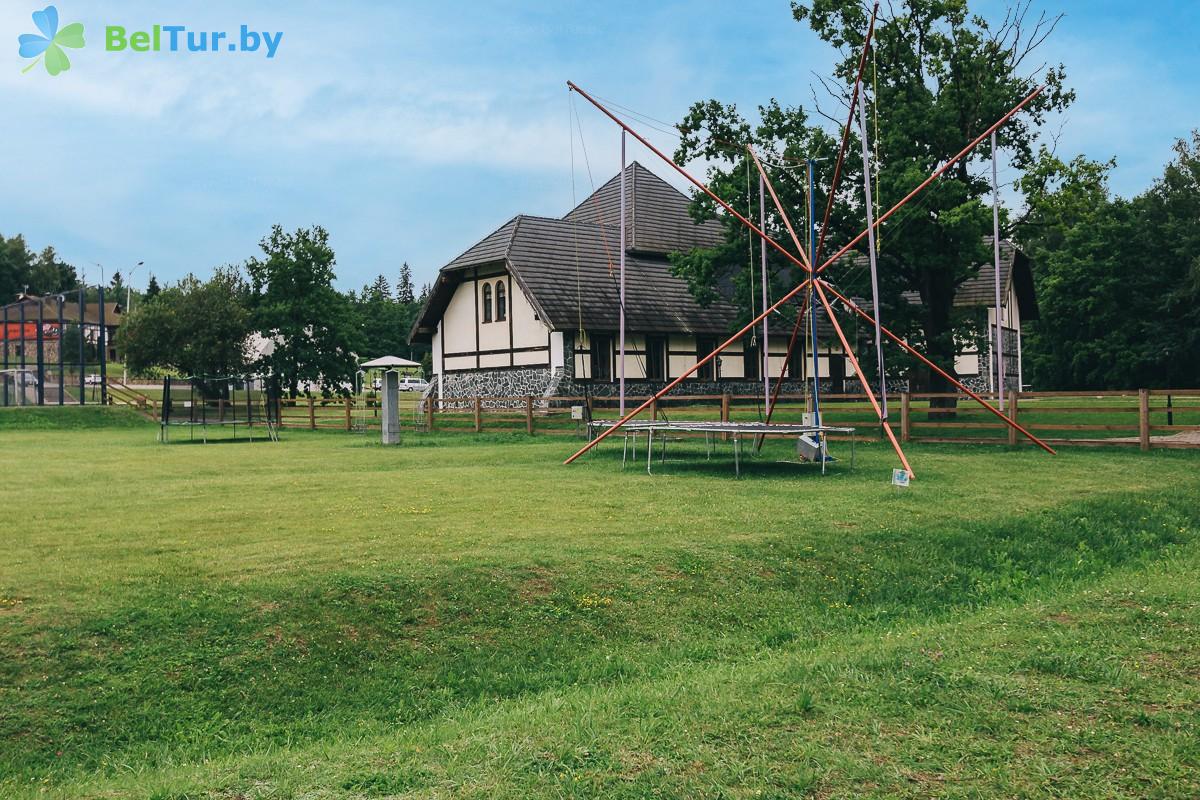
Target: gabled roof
979	291
1015	271
49	303
568	268
656	213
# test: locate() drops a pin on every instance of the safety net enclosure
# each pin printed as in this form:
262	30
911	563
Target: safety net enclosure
223	402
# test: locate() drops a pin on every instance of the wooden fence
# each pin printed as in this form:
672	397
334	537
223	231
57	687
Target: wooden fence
1145	418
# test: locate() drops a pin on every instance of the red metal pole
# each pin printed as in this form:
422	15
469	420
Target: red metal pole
802	262
853	307
863	379
775	199
837	169
936	174
608	432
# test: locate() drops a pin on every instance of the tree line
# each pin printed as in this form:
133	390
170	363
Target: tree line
278	312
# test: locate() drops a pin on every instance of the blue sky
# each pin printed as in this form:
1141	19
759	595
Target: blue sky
410	130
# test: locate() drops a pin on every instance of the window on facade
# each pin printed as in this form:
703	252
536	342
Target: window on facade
704	346
501	302
751	360
487	302
656	358
601	358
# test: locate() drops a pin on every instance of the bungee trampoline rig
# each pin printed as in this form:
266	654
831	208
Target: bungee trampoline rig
813	290
225	402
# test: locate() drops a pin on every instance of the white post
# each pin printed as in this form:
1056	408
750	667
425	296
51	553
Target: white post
866	159
622	345
390	422
999	346
762	245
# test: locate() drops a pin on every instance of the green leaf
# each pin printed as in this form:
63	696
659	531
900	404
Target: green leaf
56	60
70	36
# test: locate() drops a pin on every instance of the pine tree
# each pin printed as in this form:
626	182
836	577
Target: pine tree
379	290
153	290
425	290
404	288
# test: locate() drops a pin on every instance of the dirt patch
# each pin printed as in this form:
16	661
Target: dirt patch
1062	618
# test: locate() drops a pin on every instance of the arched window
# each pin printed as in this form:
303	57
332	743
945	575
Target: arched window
487	302
501	302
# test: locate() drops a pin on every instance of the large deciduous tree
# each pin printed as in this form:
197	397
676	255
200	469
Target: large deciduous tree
1118	280
312	324
938	77
194	328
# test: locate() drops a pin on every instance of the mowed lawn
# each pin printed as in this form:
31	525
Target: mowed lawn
463	616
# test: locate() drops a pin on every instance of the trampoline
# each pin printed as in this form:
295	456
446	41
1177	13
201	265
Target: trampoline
226	401
812	439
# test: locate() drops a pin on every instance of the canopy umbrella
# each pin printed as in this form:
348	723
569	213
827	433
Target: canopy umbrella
389	361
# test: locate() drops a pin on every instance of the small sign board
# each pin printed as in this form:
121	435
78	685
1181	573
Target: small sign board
576	412
900	478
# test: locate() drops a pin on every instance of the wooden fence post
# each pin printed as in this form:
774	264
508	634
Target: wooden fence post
478	415
1013	398
654	409
725	399
905	417
429	402
1144	419
348	426
529	415
221	409
312	414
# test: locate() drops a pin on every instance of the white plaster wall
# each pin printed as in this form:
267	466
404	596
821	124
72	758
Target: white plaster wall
458	322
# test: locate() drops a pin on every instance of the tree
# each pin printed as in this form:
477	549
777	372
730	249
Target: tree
380	289
48	274
152	288
943	76
196	328
21	270
1118	280
313	325
404	287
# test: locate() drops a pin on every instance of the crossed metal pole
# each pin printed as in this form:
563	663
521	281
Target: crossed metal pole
813	276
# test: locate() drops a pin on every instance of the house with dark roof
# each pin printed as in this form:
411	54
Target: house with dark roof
533	308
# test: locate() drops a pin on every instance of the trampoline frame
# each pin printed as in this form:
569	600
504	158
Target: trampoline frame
734	430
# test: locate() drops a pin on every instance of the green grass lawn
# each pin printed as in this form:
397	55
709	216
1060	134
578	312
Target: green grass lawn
462	616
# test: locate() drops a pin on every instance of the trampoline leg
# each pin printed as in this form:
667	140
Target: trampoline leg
649	448
737	456
708	445
625	451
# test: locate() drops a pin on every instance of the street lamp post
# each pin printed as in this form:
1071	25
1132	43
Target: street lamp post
128	308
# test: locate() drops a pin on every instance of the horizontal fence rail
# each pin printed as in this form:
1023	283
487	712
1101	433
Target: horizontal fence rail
1143	418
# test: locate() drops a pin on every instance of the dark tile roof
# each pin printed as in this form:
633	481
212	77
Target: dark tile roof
91	311
656	213
569	267
979	290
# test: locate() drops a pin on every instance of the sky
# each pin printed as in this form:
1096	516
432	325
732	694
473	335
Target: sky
411	130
